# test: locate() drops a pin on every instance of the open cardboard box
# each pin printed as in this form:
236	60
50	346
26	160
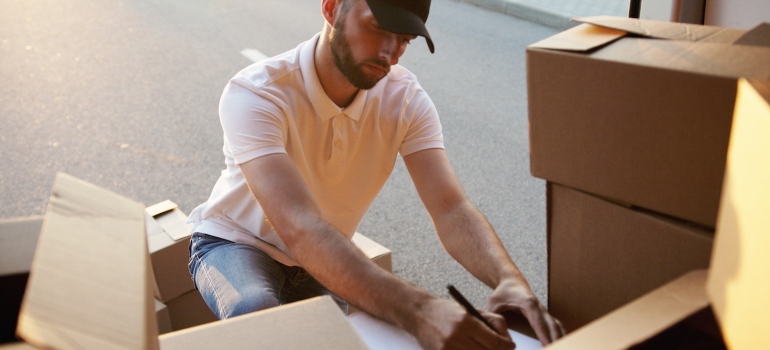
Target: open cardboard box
90	286
736	286
640	111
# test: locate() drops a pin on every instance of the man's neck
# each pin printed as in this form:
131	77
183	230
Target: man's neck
334	83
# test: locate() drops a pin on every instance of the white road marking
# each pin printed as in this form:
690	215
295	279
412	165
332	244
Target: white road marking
253	54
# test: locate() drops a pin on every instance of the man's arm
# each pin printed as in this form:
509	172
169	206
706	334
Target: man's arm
337	264
469	238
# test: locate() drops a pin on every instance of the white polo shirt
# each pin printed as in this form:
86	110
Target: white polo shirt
344	155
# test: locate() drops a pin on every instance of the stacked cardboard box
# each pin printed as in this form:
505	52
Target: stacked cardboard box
91	286
168	238
726	306
629	124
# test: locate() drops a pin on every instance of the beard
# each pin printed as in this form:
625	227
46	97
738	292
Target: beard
343	59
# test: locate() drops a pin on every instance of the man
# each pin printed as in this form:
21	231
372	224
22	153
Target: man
312	135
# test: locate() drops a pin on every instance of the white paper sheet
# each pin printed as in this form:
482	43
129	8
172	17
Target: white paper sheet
379	335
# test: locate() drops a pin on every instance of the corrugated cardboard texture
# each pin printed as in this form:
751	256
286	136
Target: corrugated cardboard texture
603	255
89	286
642	318
739	282
315	323
641	121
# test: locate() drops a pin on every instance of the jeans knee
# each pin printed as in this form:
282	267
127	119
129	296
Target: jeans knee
251	300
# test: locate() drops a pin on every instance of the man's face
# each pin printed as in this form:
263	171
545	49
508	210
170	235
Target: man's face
358	30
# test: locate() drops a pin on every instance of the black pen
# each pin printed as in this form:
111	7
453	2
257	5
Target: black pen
468	307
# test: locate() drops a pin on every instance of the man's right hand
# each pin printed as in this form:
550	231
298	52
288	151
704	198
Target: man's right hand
444	324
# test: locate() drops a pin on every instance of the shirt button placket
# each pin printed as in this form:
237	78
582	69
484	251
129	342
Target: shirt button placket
338	143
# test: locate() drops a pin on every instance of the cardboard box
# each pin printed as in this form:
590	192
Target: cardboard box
739	282
18	238
189	310
641	115
736	285
376	252
642	319
168	238
602	255
90	286
315	323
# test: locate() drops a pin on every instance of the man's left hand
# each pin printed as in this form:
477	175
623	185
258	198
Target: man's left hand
512	296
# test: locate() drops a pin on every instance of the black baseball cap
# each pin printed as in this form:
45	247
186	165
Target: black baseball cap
403	16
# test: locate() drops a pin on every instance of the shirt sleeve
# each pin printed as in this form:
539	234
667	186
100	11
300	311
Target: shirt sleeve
424	131
254	126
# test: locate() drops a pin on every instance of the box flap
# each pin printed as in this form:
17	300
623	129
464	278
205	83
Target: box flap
371	248
758	36
738	283
89	285
160	208
580	38
315	323
663	29
643	317
170	219
18	238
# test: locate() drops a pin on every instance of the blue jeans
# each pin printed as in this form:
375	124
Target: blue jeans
235	279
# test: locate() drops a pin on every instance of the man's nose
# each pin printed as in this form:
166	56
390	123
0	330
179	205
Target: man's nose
390	50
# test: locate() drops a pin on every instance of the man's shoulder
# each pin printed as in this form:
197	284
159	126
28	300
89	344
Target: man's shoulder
270	71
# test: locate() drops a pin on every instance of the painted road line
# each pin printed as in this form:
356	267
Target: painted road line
253	54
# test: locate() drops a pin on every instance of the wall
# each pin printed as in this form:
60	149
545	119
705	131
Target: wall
742	14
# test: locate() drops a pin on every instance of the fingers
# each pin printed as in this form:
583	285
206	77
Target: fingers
496	321
492	339
547	328
558	330
539	325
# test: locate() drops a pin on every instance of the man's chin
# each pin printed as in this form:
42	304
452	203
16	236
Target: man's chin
366	84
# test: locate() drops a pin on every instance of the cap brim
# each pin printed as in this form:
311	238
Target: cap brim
399	20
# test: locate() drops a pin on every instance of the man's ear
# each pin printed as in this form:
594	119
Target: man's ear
329	9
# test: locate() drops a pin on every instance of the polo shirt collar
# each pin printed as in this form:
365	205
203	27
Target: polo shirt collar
324	107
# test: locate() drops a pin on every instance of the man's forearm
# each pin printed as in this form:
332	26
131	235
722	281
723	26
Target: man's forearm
337	264
469	238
